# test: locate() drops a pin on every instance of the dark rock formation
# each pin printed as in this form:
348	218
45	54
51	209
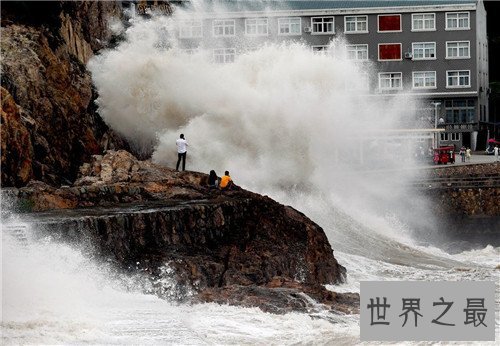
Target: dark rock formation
44	48
232	246
238	239
118	177
219	243
79	28
282	295
17	150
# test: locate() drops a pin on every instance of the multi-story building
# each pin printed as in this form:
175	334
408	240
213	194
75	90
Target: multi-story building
436	50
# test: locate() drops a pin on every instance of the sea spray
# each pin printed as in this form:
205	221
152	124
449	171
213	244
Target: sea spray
151	104
288	122
54	293
280	118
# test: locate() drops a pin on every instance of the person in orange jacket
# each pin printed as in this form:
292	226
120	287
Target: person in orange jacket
226	181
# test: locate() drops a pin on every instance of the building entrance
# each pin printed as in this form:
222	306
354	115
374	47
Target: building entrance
466	140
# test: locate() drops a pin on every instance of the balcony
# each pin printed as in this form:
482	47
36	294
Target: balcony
463	127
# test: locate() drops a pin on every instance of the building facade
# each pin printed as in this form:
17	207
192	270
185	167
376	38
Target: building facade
436	50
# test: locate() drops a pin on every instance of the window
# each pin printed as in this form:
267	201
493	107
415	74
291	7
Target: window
460	111
320	50
457	79
256	27
356	24
389	22
390	80
458	50
224	27
457	21
357	51
424	80
424	50
423	22
322	25
361	82
190	29
190	51
455	136
389	51
443	137
224	55
289	26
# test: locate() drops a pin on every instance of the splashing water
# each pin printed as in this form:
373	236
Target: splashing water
286	122
280	119
283	121
54	293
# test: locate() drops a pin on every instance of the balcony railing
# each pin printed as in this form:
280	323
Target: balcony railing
463	126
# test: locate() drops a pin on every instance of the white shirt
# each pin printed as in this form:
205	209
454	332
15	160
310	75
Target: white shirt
181	145
496	151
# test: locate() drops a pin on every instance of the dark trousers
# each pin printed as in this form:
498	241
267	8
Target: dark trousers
179	157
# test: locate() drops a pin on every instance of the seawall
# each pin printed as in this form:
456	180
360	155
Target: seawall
466	201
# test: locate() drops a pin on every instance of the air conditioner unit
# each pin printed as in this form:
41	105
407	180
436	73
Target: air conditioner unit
307	29
408	55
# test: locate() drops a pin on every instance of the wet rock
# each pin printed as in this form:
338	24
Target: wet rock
222	244
288	297
243	250
41	196
17	150
49	120
85	169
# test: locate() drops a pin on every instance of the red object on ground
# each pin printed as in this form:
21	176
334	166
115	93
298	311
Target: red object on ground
443	155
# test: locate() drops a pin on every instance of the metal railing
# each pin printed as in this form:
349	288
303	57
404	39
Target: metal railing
458	183
461	126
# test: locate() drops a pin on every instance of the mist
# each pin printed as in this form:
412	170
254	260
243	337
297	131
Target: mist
284	120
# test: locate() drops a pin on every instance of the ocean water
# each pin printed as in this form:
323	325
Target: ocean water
286	123
54	293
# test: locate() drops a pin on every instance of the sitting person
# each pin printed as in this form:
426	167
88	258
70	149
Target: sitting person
226	182
212	179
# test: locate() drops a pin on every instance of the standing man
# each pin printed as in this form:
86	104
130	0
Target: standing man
495	150
182	145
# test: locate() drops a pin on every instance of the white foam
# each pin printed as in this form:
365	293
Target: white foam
54	293
282	121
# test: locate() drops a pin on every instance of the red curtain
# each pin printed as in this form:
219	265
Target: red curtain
389	23
389	51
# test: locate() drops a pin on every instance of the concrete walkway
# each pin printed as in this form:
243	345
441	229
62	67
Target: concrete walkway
476	158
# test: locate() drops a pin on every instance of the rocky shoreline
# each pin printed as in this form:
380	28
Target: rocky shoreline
50	124
234	247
